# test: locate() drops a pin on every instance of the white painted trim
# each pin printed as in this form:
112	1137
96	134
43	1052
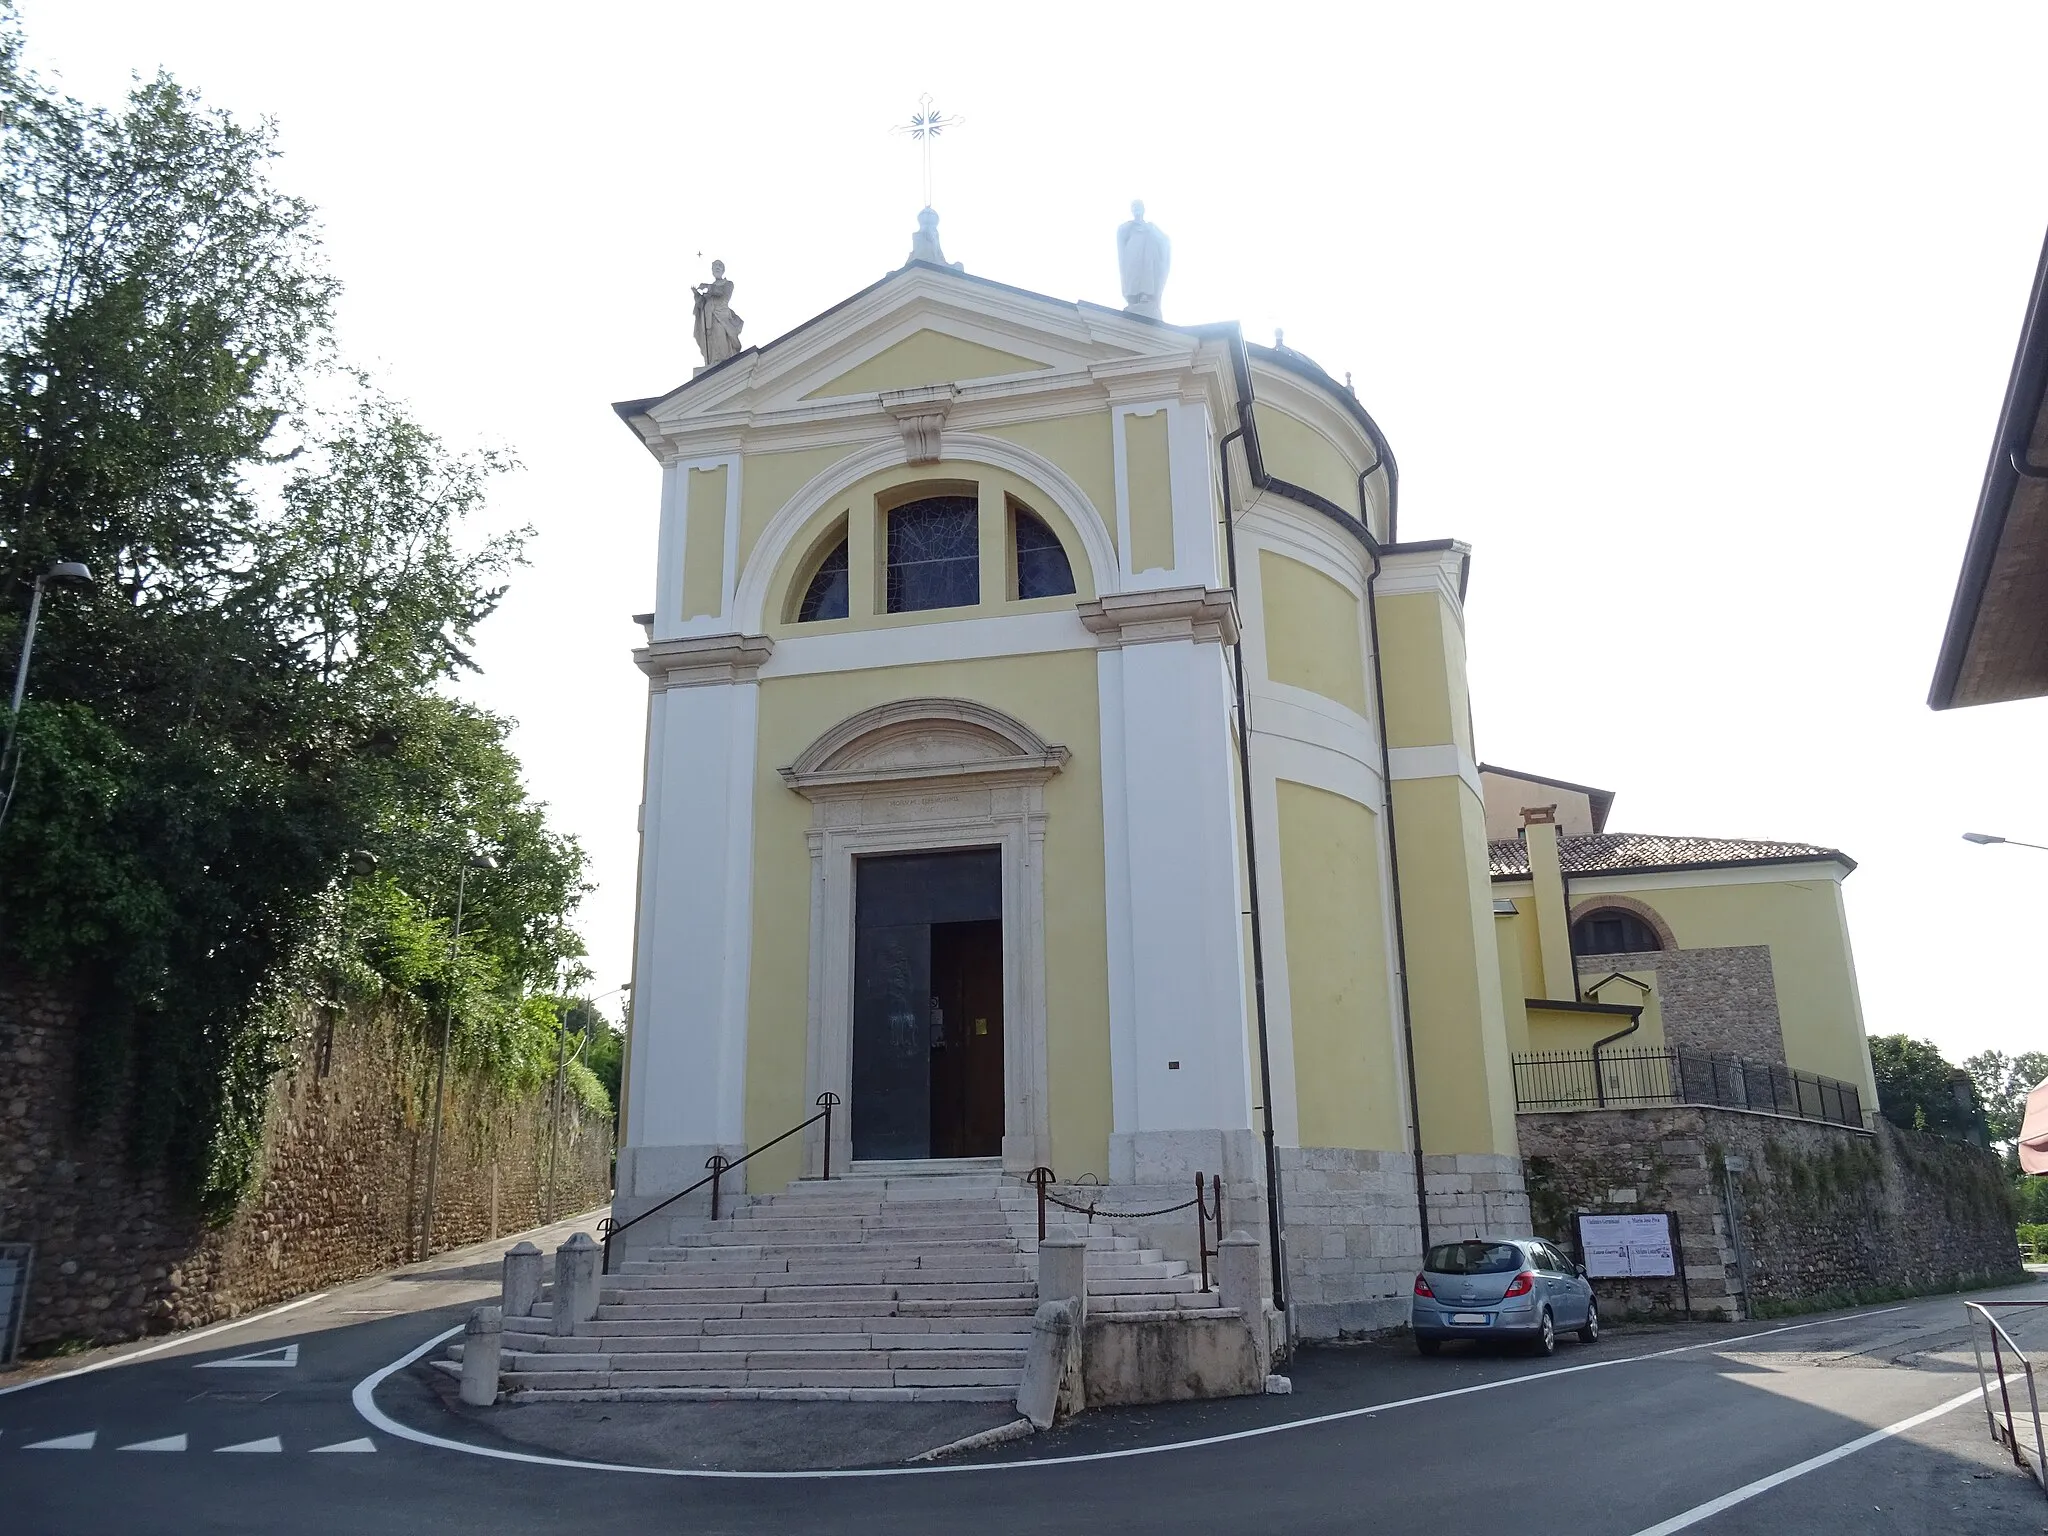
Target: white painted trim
750	601
1304	762
903	799
1444	761
669	624
1286	1107
668	556
1621	881
906	645
1116	869
1283	712
1429	570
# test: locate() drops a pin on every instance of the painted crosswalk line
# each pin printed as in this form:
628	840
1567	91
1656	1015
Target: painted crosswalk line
283	1357
364	1444
168	1443
82	1442
268	1443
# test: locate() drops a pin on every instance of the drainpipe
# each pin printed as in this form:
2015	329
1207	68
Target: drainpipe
1635	1023
1275	1225
1379	704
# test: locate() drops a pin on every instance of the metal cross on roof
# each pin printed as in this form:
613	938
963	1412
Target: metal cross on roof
925	125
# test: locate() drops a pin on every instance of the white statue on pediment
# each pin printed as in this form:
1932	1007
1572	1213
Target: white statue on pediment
1143	255
717	328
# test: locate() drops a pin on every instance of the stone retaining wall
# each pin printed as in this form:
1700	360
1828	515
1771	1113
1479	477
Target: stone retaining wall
1773	1212
344	1162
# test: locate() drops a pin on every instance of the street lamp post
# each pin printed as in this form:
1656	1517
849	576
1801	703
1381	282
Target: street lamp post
589	1017
62	573
1986	839
474	861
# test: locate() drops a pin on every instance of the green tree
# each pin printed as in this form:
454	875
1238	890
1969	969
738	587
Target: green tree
257	685
1919	1089
2003	1083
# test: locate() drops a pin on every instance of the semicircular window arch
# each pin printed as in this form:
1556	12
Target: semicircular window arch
825	595
1613	931
1043	569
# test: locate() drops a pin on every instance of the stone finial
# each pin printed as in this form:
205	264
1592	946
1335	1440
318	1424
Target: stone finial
521	1286
1143	257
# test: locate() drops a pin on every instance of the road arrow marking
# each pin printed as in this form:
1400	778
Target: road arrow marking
66	1443
283	1357
168	1443
364	1444
269	1443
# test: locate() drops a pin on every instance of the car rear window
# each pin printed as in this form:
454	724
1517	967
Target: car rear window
1473	1259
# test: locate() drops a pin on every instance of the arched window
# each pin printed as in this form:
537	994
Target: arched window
825	597
934	554
1042	566
1611	931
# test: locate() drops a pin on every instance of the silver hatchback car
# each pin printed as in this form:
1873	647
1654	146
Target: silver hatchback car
1518	1288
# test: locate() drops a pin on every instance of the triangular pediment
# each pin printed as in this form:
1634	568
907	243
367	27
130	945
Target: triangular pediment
926	356
919	327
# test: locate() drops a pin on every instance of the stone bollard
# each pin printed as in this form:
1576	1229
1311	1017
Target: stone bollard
482	1339
1063	1273
576	1284
1239	1273
522	1280
1052	1385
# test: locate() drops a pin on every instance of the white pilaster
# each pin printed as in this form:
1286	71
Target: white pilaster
688	1073
1179	1051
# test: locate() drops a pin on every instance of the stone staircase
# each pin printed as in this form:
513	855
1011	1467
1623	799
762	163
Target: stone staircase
886	1285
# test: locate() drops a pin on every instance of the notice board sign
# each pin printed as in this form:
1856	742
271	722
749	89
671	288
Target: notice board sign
1636	1244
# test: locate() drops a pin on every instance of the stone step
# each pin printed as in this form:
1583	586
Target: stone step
622	1346
686	1277
996	1394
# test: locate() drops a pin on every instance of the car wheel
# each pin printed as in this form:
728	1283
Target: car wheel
1590	1334
1428	1346
1545	1342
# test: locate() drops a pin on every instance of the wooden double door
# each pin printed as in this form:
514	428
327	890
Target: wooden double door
928	1005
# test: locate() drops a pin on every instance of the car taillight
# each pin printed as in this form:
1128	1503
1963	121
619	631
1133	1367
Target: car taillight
1522	1284
1422	1287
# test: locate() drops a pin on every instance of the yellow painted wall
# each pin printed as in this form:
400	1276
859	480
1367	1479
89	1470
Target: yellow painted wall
868	550
1296	451
1347	1071
704	542
1080	445
1311	629
768	480
1055	695
1552	1029
1507	945
1148	476
1427	703
926	357
1808	932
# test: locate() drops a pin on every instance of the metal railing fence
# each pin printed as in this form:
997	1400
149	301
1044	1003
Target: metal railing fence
2010	1369
1553	1080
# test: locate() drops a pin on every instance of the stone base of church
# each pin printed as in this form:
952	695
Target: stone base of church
1475	1194
1175	1157
1353	1239
649	1175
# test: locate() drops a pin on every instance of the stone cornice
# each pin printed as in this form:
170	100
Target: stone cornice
1195	614
702	660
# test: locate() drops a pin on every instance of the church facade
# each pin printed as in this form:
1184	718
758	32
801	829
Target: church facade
1055	753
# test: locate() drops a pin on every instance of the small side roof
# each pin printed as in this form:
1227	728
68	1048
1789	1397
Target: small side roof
1609	853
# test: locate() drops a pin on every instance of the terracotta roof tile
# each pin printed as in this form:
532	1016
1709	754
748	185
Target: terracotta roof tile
1612	852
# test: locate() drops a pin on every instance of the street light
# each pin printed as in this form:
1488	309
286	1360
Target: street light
63	573
474	861
1986	839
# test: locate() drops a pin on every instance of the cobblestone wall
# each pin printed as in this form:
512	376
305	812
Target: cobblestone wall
1819	1211
344	1159
1723	1001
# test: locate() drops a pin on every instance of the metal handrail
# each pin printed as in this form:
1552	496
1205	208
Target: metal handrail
1042	1179
719	1165
2005	1434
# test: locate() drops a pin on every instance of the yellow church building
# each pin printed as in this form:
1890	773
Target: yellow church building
1055	751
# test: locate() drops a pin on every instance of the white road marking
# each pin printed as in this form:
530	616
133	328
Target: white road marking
168	1443
364	1444
171	1343
268	1443
365	1399
283	1357
66	1442
1749	1491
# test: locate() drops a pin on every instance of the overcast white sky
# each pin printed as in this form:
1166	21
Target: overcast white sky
1693	321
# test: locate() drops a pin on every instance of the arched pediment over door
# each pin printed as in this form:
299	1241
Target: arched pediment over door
927	775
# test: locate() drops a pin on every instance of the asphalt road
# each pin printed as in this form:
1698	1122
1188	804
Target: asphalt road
1624	1438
